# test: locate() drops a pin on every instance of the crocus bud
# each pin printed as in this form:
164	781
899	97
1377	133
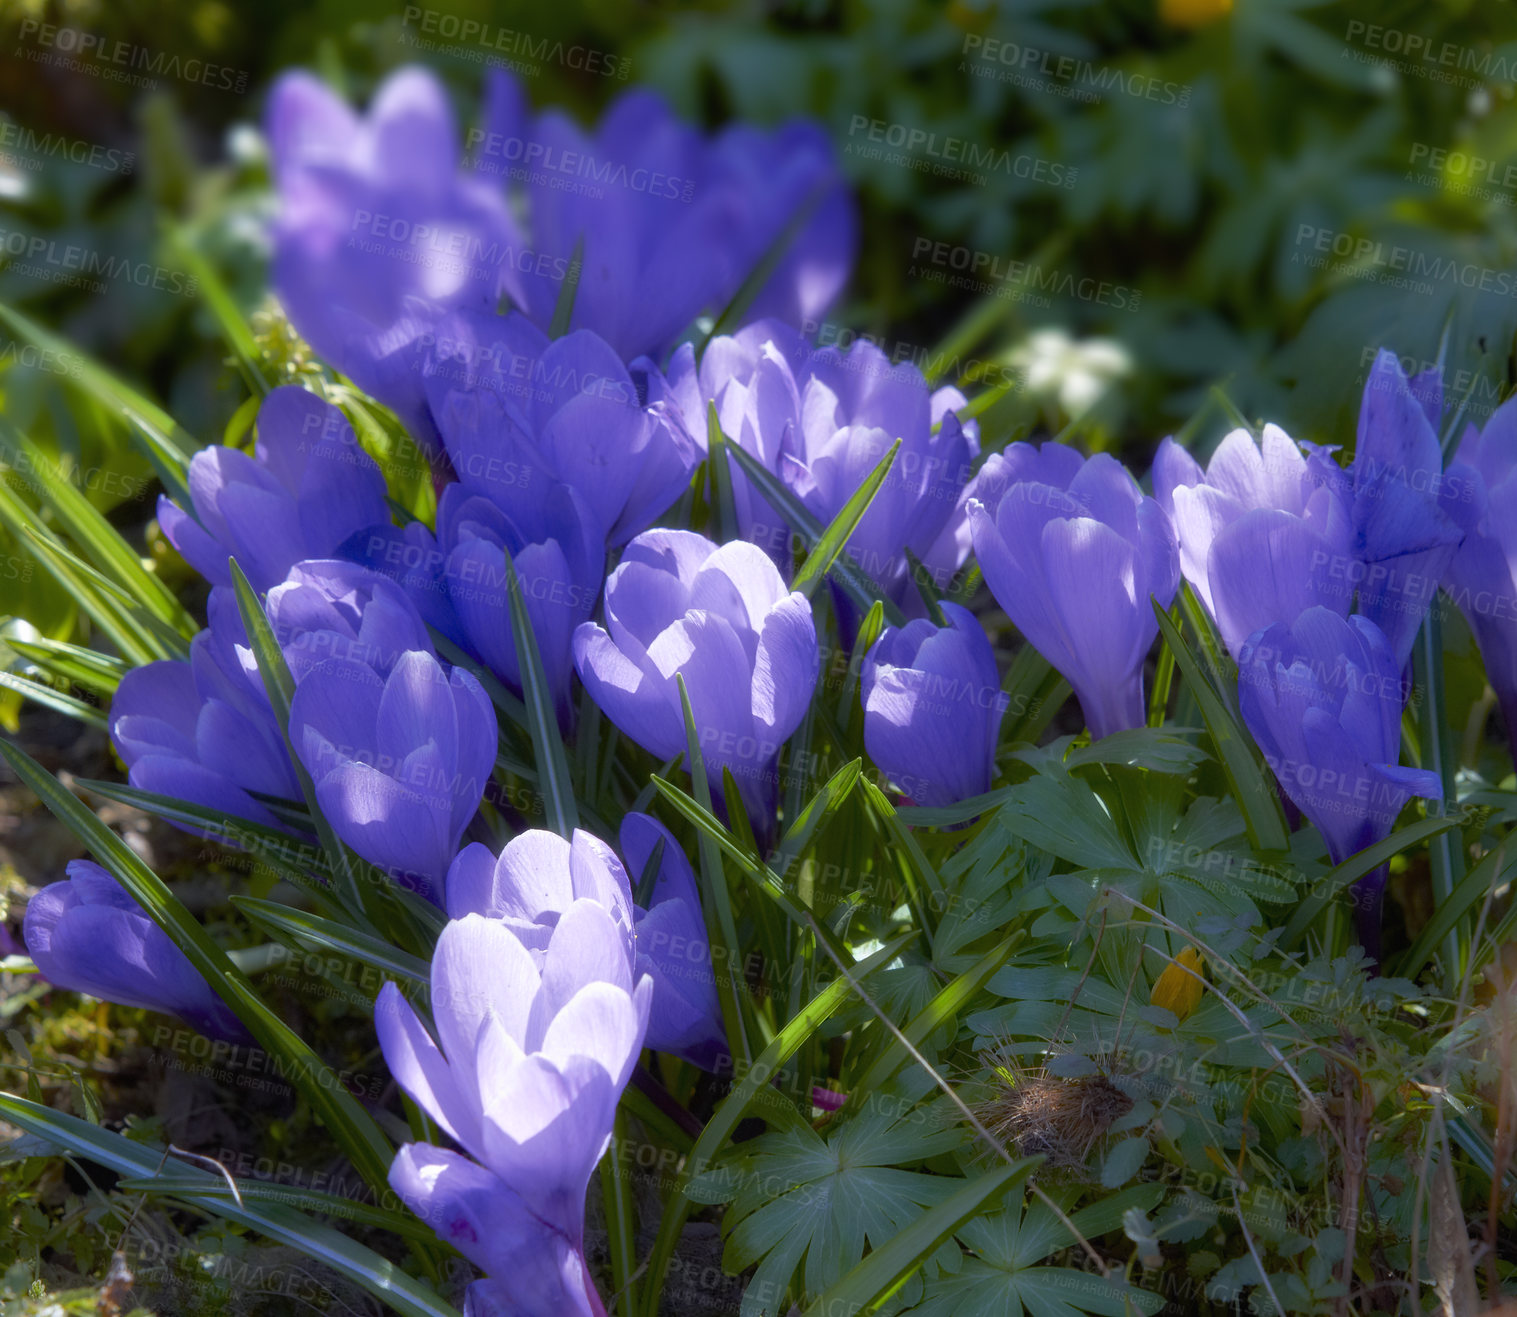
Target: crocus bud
1075	553
677	605
933	706
87	934
307	487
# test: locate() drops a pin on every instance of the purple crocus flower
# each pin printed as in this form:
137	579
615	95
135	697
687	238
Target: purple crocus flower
555	549
399	763
203	730
821	420
519	415
334	609
533	1267
1264	532
306	489
1404	538
379	231
534	1046
1479	493
1323	698
87	934
1073	551
539	875
674	950
933	706
677	605
670	223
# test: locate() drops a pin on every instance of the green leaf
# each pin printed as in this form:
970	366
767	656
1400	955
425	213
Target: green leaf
1355	867
563	309
1244	769
1123	1160
101	542
721	926
859	586
721	477
327	933
234	326
941	1010
127	1158
167	444
735	1106
876	1278
59	701
736	311
825	551
88	668
554	781
1492	872
352	1126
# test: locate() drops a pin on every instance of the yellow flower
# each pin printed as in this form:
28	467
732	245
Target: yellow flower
1179	988
1194	13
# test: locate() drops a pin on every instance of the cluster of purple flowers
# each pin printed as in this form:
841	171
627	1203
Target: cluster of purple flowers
433	283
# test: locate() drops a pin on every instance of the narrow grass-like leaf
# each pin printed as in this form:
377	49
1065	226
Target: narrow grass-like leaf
554	780
568	290
1245	771
298	860
315	931
864	1289
173	1182
735	1106
85	667
721	926
825	552
944	1007
1445	858
167	442
352	1127
736	311
128	1158
721	478
819	811
621	1223
234	327
1355	867
855	583
101	542
71	706
1493	870
280	687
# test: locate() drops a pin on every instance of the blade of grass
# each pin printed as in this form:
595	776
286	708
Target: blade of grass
1493	870
87	668
275	917
1444	854
824	553
734	313
58	701
87	527
1244	770
721	925
568	291
234	327
352	1126
554	779
721	478
855	583
137	1161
